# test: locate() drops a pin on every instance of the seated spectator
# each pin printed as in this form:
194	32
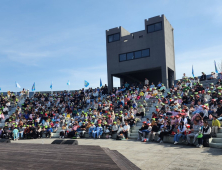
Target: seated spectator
98	132
126	130
194	133
167	129
180	132
203	77
205	135
153	132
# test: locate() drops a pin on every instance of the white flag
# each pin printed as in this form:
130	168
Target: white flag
17	85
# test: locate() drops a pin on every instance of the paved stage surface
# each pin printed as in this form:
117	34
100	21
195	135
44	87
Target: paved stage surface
154	156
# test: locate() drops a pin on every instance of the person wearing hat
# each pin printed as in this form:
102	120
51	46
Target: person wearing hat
147	129
140	132
162	88
114	128
82	129
183	118
109	120
49	131
98	132
15	133
153	132
140	111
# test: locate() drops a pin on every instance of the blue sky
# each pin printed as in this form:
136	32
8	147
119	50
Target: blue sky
43	41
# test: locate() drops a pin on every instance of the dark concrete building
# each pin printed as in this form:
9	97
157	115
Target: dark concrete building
149	53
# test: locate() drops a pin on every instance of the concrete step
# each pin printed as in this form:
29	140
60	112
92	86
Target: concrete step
219	135
55	135
133	134
216	145
217	140
132	137
139	124
136	127
135	131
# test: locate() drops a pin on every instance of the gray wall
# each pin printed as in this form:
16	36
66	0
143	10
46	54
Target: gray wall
161	46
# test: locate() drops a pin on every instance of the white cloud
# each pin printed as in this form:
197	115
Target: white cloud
201	59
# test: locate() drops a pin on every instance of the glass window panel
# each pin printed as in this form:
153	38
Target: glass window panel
130	56
146	53
150	28
122	57
116	37
158	26
138	54
110	38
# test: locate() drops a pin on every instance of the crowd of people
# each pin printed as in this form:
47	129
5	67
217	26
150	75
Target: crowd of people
183	112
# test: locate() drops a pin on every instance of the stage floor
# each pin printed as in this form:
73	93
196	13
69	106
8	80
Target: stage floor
80	157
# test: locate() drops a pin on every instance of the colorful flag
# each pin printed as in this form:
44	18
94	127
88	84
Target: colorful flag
192	71
33	87
101	83
0	88
17	85
86	84
68	83
216	71
51	86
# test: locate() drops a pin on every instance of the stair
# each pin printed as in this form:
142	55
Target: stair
151	108
2	124
216	142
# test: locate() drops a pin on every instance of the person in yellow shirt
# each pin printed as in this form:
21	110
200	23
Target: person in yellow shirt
141	94
215	126
68	115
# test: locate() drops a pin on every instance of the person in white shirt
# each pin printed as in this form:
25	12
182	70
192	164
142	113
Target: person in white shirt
205	112
120	129
126	130
206	131
5	110
146	81
207	97
184	76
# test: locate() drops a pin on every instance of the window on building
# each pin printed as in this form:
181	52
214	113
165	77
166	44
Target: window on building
114	37
151	28
130	56
122	57
146	53
138	54
154	27
158	26
134	55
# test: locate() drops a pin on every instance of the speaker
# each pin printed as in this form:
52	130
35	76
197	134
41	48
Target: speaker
5	141
57	142
70	142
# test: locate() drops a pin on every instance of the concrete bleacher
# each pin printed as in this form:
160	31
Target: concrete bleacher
12	110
